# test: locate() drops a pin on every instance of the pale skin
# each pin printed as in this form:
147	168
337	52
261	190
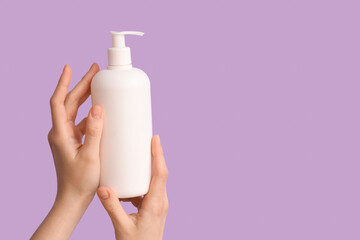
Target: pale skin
77	166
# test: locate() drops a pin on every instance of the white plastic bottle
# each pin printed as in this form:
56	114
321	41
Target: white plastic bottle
124	94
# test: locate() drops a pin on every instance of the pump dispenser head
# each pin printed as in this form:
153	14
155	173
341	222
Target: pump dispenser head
119	54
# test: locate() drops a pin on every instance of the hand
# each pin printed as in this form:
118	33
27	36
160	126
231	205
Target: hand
149	222
77	165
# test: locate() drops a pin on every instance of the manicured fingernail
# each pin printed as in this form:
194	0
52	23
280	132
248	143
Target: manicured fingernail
103	193
96	112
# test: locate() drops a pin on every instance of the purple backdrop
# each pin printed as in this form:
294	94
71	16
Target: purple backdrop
256	102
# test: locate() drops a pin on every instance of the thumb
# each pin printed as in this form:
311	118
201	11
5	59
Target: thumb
113	207
94	126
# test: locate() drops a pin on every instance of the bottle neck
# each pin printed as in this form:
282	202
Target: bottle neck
119	56
119	67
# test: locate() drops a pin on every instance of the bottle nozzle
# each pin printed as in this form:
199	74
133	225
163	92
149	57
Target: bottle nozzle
118	38
119	54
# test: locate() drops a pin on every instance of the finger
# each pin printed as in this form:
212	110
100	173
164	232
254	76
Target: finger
58	113
80	93
94	125
157	191
160	171
113	207
82	126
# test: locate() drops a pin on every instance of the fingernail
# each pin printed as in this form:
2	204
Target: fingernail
96	112
103	193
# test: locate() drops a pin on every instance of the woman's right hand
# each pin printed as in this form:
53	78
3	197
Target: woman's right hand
149	222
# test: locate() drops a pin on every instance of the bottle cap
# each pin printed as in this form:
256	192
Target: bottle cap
119	54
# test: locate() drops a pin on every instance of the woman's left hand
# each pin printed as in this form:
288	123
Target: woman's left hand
77	164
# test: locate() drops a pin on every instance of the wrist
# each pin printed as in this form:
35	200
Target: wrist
73	199
64	216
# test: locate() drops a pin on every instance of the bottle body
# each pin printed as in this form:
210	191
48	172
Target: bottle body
125	149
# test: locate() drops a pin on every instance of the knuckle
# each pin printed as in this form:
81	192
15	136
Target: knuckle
54	138
93	130
158	211
160	208
52	101
112	209
166	206
164	172
50	136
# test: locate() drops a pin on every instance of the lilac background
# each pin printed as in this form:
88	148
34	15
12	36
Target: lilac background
256	103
